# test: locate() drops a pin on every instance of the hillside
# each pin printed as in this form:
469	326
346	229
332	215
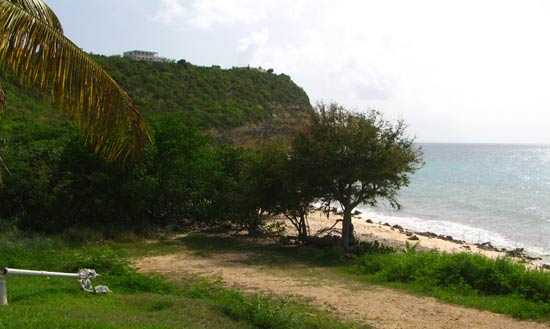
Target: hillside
242	105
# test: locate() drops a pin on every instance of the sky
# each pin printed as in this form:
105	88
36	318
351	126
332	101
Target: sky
455	71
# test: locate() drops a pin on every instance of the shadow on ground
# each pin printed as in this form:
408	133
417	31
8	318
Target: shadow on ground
262	251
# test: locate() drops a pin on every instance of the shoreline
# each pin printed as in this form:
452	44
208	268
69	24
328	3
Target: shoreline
396	236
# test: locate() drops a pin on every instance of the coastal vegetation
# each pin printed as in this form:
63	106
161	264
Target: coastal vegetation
229	150
499	285
354	159
268	104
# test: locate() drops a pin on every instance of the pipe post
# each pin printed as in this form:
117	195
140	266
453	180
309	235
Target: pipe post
3	291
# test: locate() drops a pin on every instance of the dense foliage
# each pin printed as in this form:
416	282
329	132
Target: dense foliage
187	178
499	285
215	97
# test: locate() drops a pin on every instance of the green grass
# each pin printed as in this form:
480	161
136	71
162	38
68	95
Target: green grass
138	300
497	285
149	301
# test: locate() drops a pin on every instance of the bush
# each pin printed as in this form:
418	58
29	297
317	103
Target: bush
371	247
460	272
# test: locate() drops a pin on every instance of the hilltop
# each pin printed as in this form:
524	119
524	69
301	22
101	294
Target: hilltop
242	105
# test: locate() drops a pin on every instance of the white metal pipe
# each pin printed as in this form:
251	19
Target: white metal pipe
13	271
84	276
3	291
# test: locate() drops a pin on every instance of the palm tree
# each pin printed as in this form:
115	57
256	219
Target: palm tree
35	52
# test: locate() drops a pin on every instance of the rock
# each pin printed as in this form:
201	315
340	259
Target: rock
398	227
486	246
357	213
518	252
387	224
446	237
532	257
414	238
369	221
466	247
409	233
545	266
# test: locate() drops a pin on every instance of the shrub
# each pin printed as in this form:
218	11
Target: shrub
460	272
371	247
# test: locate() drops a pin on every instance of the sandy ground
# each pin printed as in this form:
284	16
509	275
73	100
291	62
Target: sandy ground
349	300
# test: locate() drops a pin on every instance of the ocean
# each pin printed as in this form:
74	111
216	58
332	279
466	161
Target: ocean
498	193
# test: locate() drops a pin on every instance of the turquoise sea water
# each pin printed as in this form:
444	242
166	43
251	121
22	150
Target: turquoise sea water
478	193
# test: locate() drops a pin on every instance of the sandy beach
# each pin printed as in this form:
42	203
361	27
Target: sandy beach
397	237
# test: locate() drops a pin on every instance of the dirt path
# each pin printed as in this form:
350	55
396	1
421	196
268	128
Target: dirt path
364	303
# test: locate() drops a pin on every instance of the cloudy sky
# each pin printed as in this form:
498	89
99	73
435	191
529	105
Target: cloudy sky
456	71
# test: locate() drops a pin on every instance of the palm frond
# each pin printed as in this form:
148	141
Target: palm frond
38	55
40	11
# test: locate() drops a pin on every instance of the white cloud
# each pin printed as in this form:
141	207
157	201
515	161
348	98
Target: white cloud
209	14
206	14
169	12
253	41
429	61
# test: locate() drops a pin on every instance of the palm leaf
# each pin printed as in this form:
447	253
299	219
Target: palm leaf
40	11
33	50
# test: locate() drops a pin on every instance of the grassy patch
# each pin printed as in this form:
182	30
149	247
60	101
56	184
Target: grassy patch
138	301
497	285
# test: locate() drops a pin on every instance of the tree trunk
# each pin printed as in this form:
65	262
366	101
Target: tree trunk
347	230
303	228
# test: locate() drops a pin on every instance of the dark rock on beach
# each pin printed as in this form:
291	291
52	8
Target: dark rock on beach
520	253
398	227
486	246
414	238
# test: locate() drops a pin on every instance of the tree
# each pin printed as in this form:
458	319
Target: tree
35	52
357	158
298	190
257	185
183	171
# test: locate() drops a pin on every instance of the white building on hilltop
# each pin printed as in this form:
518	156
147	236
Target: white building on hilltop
142	55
